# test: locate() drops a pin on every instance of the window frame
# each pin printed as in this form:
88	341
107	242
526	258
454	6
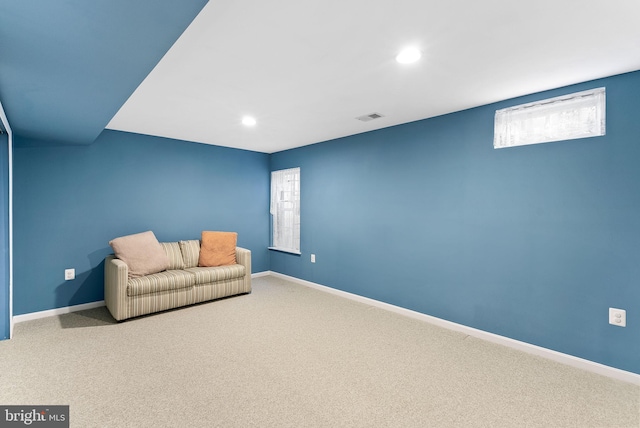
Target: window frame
284	210
568	117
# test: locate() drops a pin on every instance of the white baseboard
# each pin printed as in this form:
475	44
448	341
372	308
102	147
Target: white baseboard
58	311
259	274
566	359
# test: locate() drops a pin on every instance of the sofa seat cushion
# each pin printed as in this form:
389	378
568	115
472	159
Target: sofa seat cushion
205	275
161	281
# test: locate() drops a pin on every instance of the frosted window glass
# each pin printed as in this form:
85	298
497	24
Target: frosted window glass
578	115
285	210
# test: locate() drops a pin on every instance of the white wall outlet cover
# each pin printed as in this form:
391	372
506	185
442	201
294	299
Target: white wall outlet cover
618	317
313	258
69	274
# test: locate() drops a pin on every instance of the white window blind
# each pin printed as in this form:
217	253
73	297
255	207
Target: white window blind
285	210
577	115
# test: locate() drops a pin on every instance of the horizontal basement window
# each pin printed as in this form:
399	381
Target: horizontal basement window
578	115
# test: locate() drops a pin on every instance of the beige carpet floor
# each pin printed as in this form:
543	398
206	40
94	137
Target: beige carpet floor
290	356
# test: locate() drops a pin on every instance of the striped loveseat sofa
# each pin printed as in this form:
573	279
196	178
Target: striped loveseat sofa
183	283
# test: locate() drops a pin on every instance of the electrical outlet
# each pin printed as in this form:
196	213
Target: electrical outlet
618	317
69	274
313	258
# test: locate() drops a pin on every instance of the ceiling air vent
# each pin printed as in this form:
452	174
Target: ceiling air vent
368	117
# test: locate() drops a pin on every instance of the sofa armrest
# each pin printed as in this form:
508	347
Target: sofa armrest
116	277
243	257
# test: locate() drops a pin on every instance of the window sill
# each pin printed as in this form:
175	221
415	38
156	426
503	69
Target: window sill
285	250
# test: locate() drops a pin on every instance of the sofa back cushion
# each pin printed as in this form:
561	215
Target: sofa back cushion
174	253
190	252
142	253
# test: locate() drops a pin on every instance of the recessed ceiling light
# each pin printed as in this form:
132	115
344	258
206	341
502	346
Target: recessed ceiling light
248	121
408	55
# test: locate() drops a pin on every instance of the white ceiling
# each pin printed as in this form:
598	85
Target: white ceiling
306	69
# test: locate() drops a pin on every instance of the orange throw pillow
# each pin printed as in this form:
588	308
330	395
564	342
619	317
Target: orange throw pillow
218	248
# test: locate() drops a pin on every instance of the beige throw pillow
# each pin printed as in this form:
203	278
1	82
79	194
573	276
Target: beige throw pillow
142	253
218	248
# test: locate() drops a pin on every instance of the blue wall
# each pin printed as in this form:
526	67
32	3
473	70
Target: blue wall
69	201
533	243
4	237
